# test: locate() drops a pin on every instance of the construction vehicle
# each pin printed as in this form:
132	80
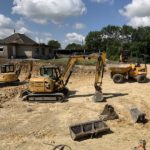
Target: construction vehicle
9	73
133	71
51	84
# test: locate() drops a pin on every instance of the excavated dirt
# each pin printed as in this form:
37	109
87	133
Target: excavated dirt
32	126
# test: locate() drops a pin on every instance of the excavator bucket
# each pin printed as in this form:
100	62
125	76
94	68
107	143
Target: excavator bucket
98	96
88	129
137	115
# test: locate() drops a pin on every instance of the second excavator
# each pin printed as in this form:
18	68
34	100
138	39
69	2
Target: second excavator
9	73
51	84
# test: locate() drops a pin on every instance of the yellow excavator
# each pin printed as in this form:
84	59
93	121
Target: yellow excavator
9	73
51	84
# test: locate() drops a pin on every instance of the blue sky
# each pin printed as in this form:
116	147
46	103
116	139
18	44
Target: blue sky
69	20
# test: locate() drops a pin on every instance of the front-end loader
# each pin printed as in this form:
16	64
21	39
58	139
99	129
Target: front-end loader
51	84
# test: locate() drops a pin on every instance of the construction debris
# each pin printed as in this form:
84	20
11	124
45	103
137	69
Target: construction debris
108	113
137	115
88	129
141	146
58	147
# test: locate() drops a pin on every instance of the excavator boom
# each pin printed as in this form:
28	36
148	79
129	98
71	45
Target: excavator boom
100	64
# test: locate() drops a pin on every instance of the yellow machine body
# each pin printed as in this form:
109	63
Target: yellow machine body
135	71
41	85
52	82
8	77
8	73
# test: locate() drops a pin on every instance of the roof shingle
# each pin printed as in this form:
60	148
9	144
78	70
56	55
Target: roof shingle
18	39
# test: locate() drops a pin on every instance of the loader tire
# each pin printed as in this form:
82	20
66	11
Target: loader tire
141	79
118	78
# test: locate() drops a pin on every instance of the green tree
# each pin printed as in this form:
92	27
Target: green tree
74	46
111	32
115	38
127	33
54	44
93	40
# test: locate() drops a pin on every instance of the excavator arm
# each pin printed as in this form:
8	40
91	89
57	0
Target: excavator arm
69	68
100	63
100	66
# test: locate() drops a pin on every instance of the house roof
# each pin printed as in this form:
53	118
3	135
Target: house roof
18	38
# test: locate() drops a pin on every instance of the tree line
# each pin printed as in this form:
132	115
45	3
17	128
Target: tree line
113	39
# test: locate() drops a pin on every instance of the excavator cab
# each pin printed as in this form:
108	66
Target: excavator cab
52	72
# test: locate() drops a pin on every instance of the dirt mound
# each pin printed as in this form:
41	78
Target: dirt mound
7	94
26	70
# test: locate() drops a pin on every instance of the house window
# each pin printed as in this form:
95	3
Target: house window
1	48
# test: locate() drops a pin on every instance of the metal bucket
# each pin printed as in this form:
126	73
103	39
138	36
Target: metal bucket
88	129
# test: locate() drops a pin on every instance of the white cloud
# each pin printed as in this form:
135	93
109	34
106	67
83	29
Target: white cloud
5	22
7	26
42	37
137	13
79	26
139	21
75	38
42	11
20	23
24	30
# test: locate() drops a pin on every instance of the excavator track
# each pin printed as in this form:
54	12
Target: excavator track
53	97
13	83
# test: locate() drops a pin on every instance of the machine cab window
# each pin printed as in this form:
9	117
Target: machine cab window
50	72
6	68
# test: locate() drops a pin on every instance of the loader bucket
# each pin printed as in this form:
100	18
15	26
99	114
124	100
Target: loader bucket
88	129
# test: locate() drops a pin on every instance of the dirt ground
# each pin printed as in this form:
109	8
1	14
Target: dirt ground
32	126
